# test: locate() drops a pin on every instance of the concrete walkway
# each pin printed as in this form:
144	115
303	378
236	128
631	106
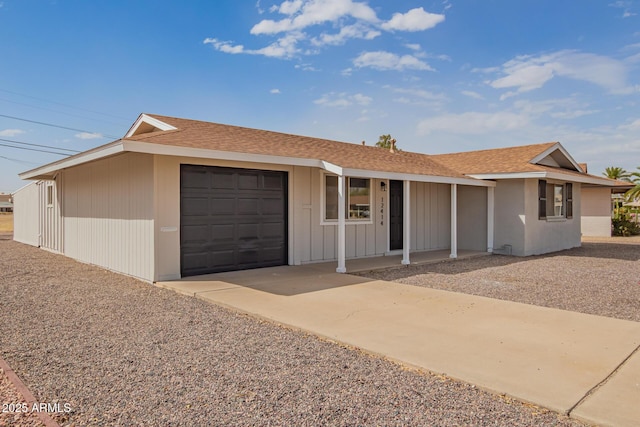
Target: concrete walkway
583	365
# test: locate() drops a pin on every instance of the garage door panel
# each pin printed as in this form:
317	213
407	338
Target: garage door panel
223	180
273	181
222	206
248	181
242	224
248	231
272	230
193	206
248	207
195	178
223	232
195	233
272	206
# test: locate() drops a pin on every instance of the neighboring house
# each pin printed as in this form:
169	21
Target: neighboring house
6	204
597	207
177	197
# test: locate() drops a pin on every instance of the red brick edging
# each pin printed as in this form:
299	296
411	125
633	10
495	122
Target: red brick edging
24	391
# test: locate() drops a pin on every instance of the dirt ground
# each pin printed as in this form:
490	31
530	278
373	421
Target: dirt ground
6	222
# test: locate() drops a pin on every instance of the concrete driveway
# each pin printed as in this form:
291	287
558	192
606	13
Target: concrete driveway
583	365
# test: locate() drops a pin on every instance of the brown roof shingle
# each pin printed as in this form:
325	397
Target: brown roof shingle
498	160
214	136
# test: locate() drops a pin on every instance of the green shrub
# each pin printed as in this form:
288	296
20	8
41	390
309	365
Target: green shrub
623	223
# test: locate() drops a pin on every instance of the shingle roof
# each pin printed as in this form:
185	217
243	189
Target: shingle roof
214	136
498	160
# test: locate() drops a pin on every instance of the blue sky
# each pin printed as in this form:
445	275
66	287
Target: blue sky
440	76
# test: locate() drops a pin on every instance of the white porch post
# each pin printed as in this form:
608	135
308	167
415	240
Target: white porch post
406	223
454	221
491	200
342	235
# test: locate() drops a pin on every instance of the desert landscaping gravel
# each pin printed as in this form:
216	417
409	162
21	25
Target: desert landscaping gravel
123	352
601	278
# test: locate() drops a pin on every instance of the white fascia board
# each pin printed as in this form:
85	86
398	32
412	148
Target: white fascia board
171	150
143	118
585	179
514	175
556	146
47	171
330	167
362	173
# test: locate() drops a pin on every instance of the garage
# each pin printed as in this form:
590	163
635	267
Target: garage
231	219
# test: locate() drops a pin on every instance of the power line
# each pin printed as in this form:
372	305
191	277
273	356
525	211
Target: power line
35	149
38	145
52	125
58	112
64	105
18	161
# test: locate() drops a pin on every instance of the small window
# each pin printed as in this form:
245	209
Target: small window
559	203
357	200
331	197
49	195
558	200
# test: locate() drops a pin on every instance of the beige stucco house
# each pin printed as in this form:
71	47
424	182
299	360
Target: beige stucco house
177	197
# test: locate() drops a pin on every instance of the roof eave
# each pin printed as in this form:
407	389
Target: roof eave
48	171
584	178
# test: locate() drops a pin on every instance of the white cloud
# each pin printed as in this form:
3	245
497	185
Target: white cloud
382	60
472	94
473	123
351	19
356	31
285	47
526	73
88	135
573	114
11	132
275	91
314	12
224	46
290	7
633	126
342	100
413	46
414	20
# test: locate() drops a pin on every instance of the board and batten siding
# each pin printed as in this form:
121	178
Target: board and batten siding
50	195
315	241
26	215
38	214
108	214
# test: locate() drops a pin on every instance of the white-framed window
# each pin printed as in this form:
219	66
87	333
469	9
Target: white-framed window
49	194
555	200
357	201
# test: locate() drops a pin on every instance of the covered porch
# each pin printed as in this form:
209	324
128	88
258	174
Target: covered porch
468	220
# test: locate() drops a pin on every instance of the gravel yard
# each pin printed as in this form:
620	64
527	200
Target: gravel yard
602	277
122	352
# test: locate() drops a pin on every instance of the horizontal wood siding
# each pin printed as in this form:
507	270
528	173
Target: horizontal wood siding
108	214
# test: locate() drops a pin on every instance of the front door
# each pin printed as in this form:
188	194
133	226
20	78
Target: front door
395	215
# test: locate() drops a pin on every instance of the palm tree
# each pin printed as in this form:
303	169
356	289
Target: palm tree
634	193
614	172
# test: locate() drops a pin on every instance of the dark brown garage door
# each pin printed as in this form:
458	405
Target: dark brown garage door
231	219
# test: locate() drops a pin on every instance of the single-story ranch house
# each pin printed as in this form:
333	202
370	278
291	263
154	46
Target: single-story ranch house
177	197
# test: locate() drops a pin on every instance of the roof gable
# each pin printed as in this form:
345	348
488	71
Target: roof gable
557	156
147	124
